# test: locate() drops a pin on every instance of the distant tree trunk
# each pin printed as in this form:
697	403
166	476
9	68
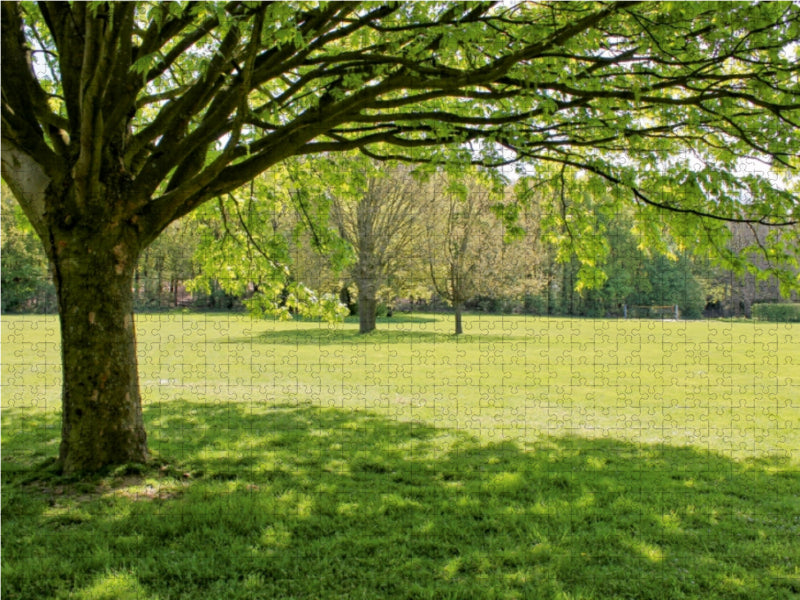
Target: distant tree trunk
367	305
159	285
102	411
458	307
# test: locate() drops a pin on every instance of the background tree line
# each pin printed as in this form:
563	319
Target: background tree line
376	238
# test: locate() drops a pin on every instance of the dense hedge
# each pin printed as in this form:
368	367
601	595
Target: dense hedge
780	313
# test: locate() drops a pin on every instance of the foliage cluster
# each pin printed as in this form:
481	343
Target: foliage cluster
778	313
26	284
274	251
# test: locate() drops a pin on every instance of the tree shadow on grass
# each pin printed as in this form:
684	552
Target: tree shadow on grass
296	501
325	335
399	318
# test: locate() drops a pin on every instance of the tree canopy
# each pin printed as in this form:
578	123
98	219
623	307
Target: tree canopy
190	100
118	118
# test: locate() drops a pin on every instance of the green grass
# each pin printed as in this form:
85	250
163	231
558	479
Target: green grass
530	458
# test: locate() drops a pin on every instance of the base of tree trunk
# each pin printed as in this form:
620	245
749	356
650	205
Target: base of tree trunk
367	311
459	328
102	422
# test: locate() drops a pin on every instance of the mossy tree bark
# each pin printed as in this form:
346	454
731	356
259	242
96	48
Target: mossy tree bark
102	420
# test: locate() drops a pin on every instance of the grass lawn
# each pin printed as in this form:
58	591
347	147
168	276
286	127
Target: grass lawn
531	458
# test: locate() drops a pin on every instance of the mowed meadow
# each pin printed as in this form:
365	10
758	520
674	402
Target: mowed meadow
528	458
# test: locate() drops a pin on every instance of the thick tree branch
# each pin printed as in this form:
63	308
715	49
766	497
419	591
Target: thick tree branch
66	27
28	181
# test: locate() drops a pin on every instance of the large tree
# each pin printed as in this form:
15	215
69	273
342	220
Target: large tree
119	118
379	214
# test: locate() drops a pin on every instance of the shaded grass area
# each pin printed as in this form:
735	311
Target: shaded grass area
298	501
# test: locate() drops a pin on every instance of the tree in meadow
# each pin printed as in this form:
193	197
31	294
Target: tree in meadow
465	244
119	118
379	212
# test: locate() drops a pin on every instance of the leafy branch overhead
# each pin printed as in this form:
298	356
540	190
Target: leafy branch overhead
189	101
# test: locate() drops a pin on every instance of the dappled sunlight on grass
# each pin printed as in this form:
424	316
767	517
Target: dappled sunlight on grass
114	586
328	498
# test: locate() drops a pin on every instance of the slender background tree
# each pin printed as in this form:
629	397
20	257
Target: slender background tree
463	244
119	118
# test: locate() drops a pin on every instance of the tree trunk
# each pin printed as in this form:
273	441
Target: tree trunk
367	309
457	307
102	411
